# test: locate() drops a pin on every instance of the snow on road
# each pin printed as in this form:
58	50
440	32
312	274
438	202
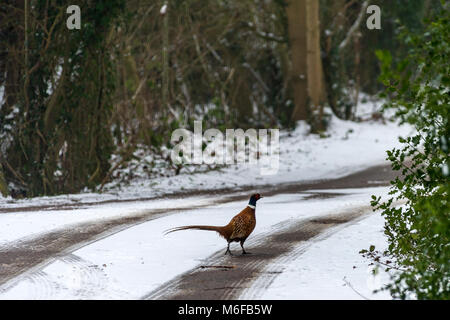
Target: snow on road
333	268
138	260
19	225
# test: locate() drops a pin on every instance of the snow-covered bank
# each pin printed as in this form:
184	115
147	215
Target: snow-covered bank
136	261
348	147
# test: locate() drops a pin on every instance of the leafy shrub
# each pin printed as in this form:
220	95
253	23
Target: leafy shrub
418	232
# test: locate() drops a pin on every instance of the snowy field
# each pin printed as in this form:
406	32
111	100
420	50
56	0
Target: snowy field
138	260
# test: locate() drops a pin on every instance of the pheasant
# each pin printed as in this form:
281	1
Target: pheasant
237	230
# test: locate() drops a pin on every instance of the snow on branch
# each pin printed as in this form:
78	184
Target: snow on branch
355	25
163	9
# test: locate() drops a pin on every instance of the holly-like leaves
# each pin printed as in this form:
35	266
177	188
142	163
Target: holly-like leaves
419	231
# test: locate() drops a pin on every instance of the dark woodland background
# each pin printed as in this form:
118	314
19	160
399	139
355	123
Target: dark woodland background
131	75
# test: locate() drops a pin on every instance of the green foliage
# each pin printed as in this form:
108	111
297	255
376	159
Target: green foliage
62	142
418	232
355	67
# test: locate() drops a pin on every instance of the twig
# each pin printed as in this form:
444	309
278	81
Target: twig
218	267
257	77
355	25
17	175
351	287
142	18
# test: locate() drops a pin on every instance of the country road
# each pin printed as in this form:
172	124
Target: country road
225	277
216	277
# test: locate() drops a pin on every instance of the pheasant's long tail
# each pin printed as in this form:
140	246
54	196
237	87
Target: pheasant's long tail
207	228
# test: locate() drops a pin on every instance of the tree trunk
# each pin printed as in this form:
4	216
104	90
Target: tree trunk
3	184
165	60
314	63
306	63
296	16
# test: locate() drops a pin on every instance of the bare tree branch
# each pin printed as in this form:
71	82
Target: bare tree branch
355	26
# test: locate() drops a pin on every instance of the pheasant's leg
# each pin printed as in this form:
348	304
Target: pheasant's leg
228	250
242	246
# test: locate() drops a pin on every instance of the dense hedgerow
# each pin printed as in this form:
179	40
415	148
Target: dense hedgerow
418	231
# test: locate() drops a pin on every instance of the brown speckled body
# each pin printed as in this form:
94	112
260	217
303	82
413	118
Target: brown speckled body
242	225
237	230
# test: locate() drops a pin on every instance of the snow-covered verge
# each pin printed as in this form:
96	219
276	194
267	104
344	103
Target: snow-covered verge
134	262
347	147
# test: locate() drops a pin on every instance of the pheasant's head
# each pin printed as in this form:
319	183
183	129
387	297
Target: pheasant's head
255	197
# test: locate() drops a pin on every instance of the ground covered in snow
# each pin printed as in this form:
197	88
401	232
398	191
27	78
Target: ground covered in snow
134	262
333	267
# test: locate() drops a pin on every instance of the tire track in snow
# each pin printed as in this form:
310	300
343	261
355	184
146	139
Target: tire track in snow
378	175
85	278
246	274
91	279
270	271
28	254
